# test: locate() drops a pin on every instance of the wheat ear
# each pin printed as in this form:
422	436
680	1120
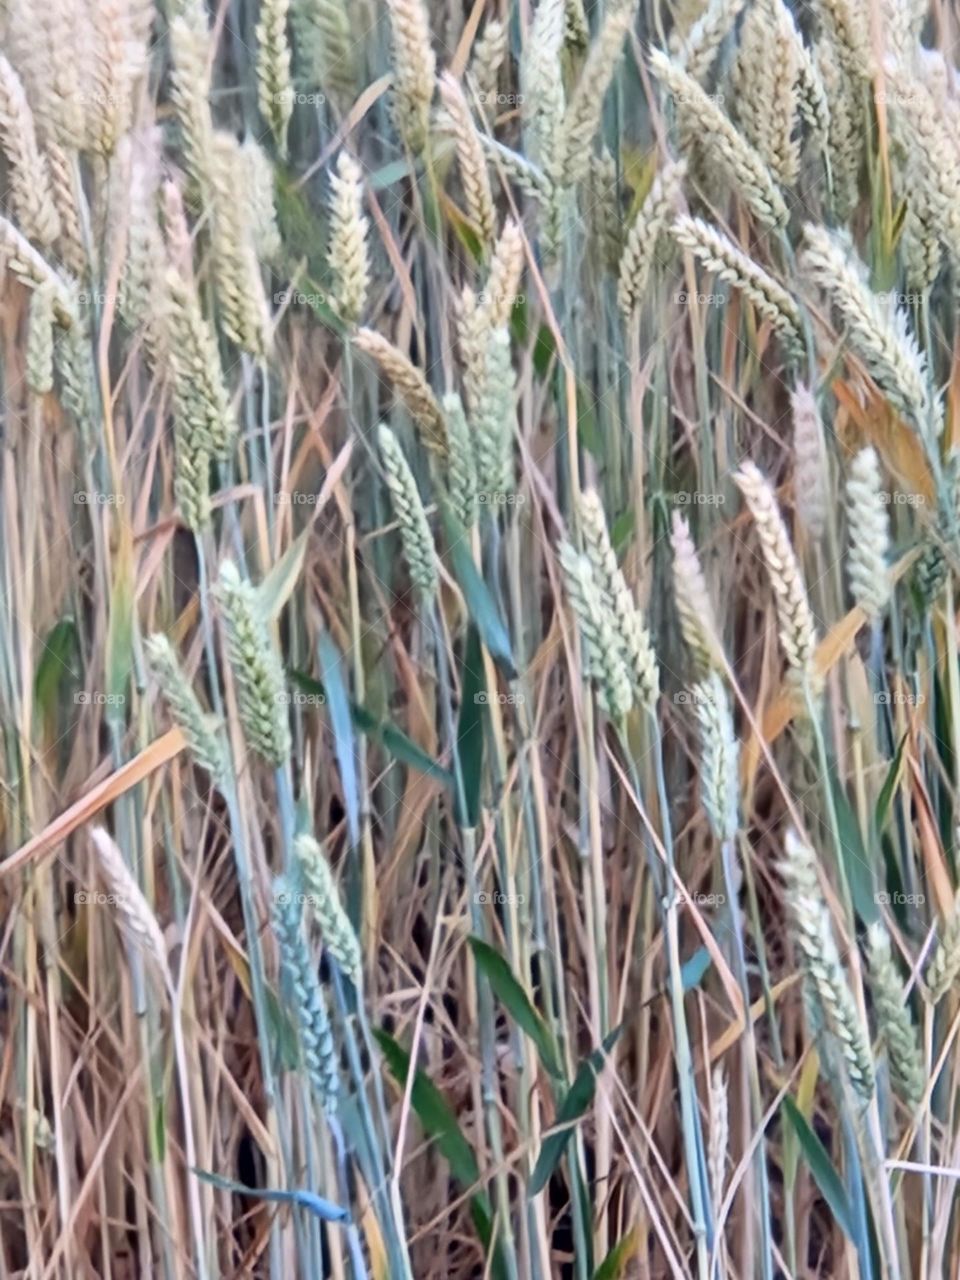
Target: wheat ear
39	353
262	696
414	528
813	931
138	920
582	118
471	160
29	177
244	313
798	634
409	384
944	967
811	465
462	488
348	256
651	221
339	935
603	658
199	728
698	623
413	70
893	1017
719	781
274	84
868	530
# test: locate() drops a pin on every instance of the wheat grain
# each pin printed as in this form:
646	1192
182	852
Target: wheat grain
698	624
603	658
28	176
811	473
471	161
200	729
893	1018
582	118
339	935
413	70
821	962
719	784
744	168
645	234
721	256
798	633
347	255
274	84
868	533
410	385
262	696
313	1021
877	329
414	527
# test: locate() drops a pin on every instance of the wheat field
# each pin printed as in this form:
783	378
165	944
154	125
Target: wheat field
479	653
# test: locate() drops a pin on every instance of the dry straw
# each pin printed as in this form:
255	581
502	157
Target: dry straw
868	535
339	935
721	256
877	329
725	145
411	517
410	385
347	255
644	236
471	160
413	70
262	696
798	633
813	931
199	728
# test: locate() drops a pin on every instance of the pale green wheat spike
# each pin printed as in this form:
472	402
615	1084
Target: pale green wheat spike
339	935
274	85
868	524
414	529
199	390
582	118
640	250
604	662
814	935
719	785
893	1018
348	256
618	601
494	417
461	467
262	696
944	967
325	49
39	359
199	728
307	1000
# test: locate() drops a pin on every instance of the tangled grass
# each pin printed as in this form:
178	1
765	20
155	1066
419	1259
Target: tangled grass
479	675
